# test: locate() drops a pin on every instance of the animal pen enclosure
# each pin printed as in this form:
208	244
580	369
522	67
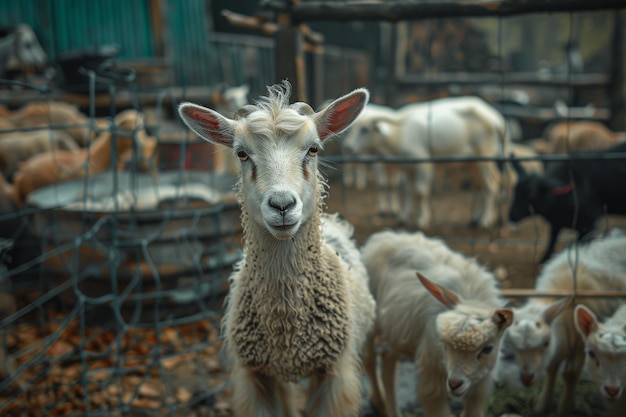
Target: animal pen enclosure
112	284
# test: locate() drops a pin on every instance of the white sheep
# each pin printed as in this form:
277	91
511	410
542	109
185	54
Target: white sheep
460	126
568	136
299	304
605	347
453	337
543	336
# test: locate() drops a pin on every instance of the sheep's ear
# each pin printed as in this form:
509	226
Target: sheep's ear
207	123
521	172
445	296
585	321
341	113
556	308
503	318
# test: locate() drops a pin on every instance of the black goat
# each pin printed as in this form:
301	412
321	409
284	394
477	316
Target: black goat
573	193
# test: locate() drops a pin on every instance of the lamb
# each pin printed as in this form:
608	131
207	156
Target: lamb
20	146
543	336
57	115
461	126
570	136
47	168
453	340
299	305
571	194
605	346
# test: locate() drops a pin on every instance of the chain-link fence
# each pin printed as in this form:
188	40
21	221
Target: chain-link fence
113	275
112	278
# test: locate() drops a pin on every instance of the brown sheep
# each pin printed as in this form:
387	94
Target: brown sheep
580	136
20	146
54	114
5	126
55	166
4	111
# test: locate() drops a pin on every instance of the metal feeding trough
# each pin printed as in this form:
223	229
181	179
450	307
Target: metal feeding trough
171	237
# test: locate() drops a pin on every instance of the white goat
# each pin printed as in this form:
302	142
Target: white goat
543	336
605	346
388	178
454	341
461	126
299	304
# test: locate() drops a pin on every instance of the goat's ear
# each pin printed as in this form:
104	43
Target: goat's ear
503	318
445	296
521	172
207	123
585	321
341	113
556	308
382	127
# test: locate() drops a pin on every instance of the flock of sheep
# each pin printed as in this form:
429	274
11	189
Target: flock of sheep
306	303
43	143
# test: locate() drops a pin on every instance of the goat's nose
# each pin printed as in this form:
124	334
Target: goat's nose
527	378
454	384
282	202
611	390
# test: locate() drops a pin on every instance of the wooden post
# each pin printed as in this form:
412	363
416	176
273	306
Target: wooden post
317	78
392	67
290	57
290	61
617	86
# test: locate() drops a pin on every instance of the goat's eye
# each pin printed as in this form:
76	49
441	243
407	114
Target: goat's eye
313	150
242	155
487	349
546	343
592	354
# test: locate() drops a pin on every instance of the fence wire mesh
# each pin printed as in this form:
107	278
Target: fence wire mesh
111	284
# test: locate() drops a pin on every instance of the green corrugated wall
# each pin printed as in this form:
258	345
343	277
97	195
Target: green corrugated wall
189	46
63	25
197	55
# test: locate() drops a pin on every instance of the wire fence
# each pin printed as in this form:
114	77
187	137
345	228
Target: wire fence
111	284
